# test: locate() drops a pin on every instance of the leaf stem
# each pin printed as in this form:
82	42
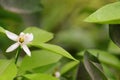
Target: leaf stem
17	54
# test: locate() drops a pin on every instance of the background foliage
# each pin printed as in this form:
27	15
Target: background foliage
65	20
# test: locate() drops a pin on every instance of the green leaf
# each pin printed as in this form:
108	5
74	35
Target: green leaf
113	48
68	66
105	57
40	76
114	32
82	74
107	14
40	35
38	58
93	67
8	70
50	68
21	6
2	30
55	49
109	73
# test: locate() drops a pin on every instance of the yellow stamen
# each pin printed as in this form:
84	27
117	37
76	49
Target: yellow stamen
21	40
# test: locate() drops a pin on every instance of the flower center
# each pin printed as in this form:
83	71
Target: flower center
21	39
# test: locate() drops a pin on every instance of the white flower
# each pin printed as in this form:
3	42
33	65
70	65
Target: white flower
57	74
21	40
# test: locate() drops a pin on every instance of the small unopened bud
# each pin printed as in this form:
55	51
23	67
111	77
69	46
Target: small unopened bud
57	74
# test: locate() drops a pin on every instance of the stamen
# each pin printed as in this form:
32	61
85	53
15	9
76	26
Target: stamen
21	39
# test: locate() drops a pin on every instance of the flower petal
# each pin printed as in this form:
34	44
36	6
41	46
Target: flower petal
12	47
29	37
11	35
26	49
22	34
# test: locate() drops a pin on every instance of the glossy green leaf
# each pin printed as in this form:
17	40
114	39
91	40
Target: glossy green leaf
38	58
40	76
46	69
21	6
68	66
93	67
105	57
55	49
109	73
114	32
113	48
82	73
107	14
2	30
8	70
40	35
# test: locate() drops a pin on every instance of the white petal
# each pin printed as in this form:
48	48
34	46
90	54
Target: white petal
11	35
26	49
12	47
22	34
29	37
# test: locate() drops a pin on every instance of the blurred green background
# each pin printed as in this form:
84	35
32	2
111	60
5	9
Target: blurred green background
64	18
